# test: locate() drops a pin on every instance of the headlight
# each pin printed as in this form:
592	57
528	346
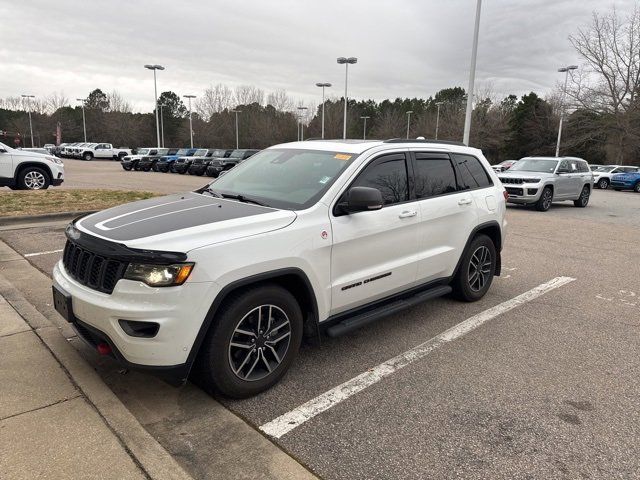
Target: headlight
159	275
54	160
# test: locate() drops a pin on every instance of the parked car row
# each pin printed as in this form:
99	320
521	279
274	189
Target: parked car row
195	161
89	151
603	176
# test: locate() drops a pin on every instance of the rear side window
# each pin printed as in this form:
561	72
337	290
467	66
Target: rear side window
434	175
472	173
389	175
583	167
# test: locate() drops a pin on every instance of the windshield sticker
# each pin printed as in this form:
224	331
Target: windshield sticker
324	180
342	156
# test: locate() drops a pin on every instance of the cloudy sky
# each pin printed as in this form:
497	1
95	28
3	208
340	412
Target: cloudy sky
405	48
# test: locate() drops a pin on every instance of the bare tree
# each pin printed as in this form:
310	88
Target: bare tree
281	101
117	103
609	82
55	101
248	94
215	99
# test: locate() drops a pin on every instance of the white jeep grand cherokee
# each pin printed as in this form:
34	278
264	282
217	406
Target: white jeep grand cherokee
306	237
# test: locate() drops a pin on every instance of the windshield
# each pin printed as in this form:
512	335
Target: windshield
216	153
201	152
604	169
163	151
182	151
534	165
237	154
142	151
284	178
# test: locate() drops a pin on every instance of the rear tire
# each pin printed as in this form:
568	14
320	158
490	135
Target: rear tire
476	271
546	199
636	188
223	364
603	183
583	200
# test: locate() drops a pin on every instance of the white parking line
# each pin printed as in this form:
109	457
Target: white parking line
296	417
42	253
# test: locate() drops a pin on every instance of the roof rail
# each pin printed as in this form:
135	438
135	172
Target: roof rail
409	140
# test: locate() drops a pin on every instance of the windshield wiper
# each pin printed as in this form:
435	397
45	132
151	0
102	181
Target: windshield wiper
242	198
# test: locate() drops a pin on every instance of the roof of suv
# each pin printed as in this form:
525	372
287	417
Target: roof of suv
360	146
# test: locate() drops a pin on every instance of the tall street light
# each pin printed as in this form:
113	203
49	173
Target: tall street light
29	97
323	85
155	89
162	123
190	120
438	104
236	112
566	71
364	130
346	62
84	122
409	112
301	111
472	77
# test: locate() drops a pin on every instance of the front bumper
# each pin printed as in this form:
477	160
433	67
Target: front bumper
524	193
181	167
179	312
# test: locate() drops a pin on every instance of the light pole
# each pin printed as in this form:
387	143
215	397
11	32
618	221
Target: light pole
29	97
323	85
162	123
236	112
84	122
409	112
300	124
472	77
566	71
364	130
346	62
155	89
190	120
438	104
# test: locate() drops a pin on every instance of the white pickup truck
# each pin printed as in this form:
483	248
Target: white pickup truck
103	150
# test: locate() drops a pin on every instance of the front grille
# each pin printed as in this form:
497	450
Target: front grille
518	181
94	271
514	191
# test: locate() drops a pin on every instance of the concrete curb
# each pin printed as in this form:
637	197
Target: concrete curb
42	218
154	460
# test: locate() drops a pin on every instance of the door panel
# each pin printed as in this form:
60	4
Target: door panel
6	165
374	253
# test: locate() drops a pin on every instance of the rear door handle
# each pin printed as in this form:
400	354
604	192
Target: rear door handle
408	213
465	201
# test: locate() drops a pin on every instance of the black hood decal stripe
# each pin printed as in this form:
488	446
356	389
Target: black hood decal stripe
160	215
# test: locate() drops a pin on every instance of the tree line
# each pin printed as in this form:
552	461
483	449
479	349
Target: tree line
601	125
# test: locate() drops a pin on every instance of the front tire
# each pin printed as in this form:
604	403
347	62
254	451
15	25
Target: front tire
34	178
127	167
583	199
603	183
546	199
636	188
88	156
476	270
253	341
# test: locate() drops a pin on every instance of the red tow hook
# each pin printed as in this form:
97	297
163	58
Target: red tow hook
103	348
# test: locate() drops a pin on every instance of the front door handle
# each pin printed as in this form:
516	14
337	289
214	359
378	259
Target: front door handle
465	201
408	213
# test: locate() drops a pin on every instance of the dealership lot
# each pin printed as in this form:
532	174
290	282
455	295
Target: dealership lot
547	388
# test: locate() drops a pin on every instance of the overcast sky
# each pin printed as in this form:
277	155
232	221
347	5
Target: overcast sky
405	48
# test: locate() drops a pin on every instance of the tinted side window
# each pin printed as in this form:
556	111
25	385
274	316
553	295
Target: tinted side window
583	167
472	173
389	175
434	176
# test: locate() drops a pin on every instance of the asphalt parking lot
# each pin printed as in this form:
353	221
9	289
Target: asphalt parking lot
546	386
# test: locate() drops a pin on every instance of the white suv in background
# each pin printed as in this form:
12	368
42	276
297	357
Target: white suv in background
307	237
602	175
24	170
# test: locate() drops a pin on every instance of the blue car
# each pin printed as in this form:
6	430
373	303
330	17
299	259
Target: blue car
626	181
165	163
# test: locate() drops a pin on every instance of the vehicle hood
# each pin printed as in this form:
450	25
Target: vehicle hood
182	222
526	175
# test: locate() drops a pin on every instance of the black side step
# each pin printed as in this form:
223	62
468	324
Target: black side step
370	316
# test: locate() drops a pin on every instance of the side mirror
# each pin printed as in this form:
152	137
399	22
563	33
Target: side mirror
362	199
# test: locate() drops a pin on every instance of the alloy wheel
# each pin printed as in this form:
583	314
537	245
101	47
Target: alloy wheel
479	268
34	180
547	199
259	342
584	197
